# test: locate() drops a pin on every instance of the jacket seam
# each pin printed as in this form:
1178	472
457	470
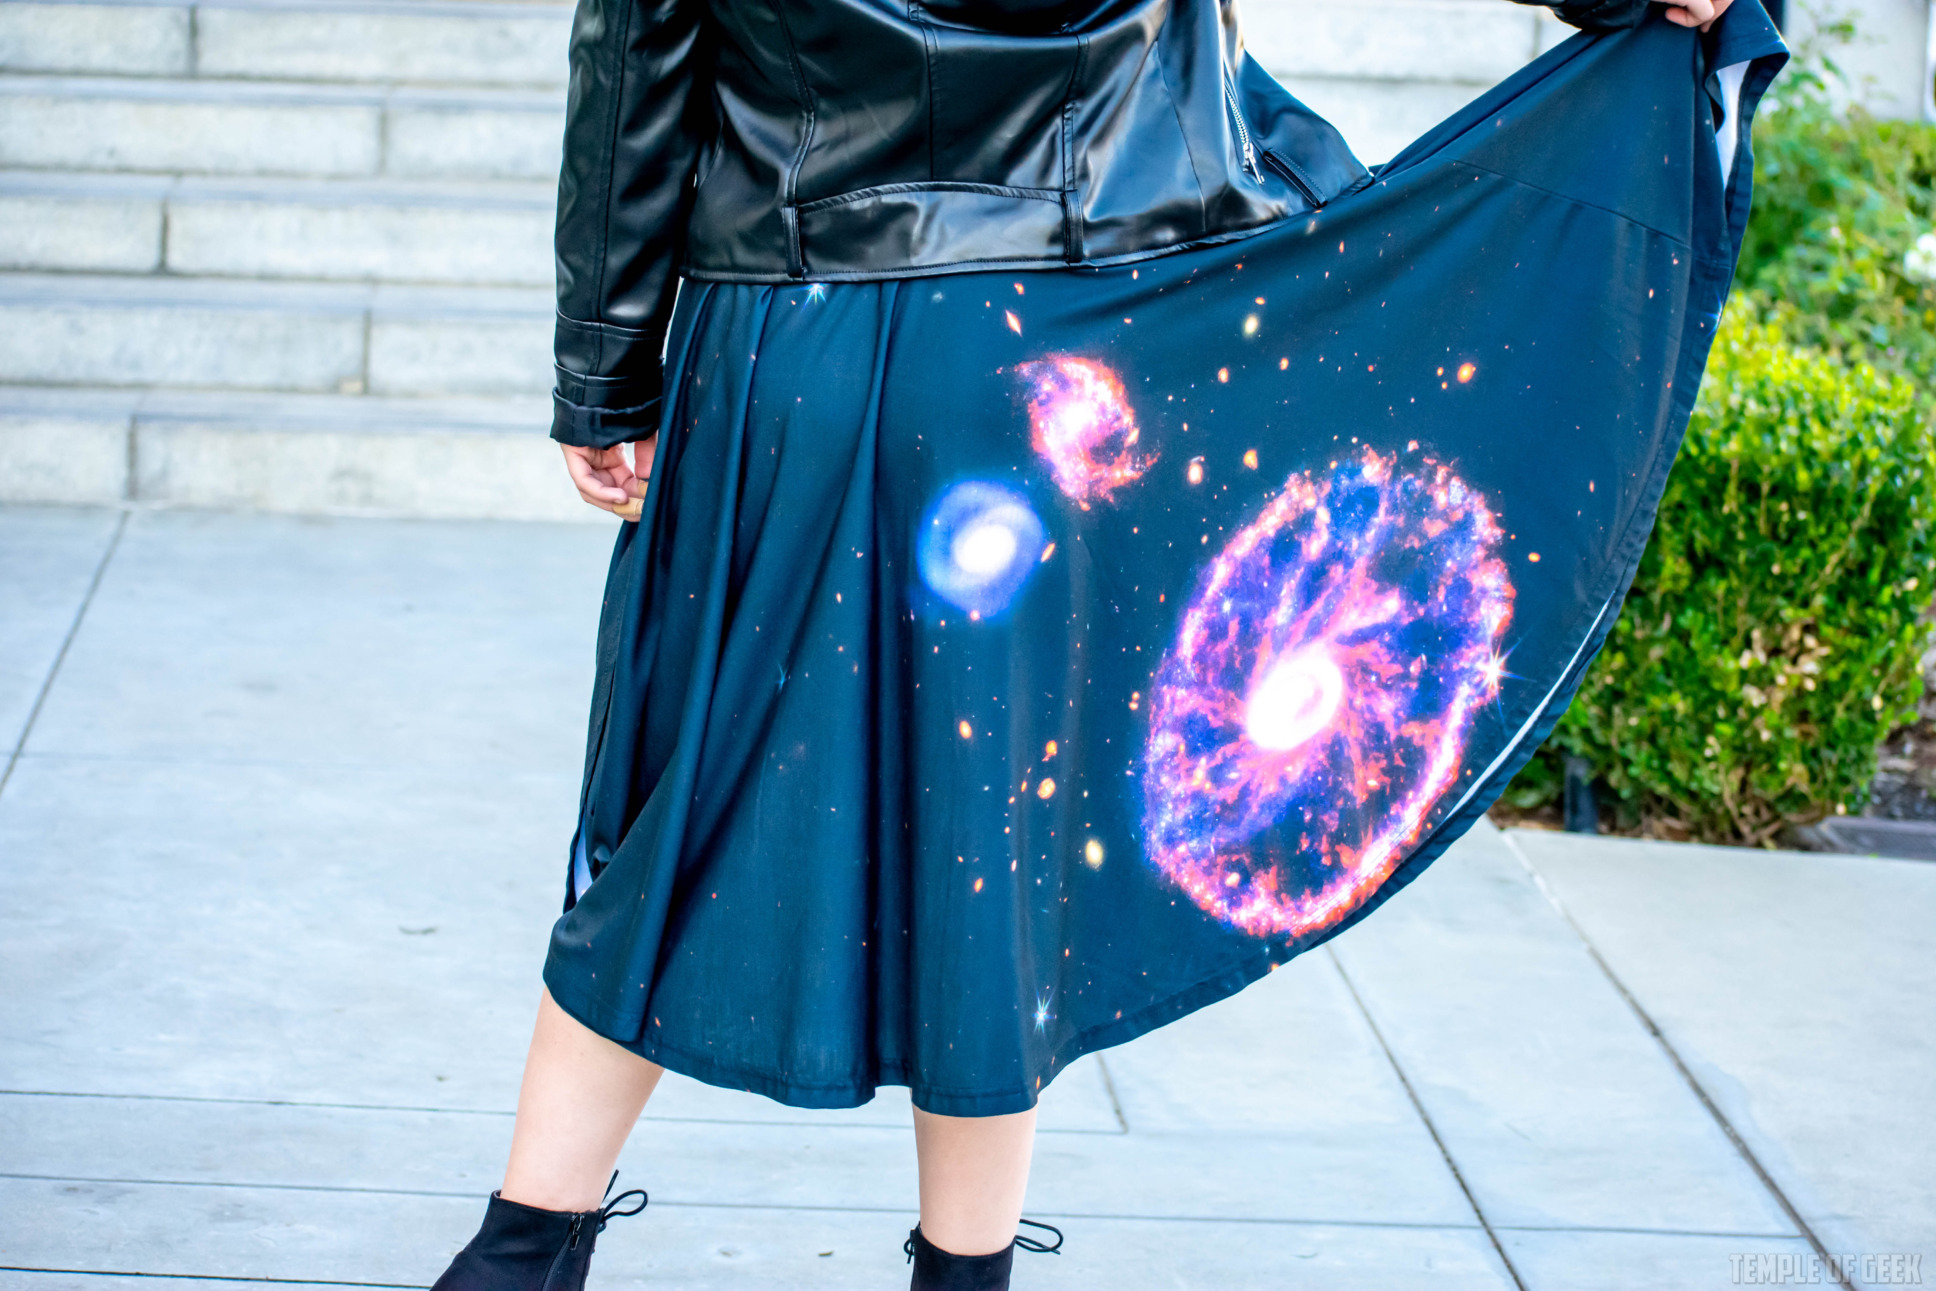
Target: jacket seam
619	62
602	413
1183	133
1071	214
1569	198
593	324
929	50
796	254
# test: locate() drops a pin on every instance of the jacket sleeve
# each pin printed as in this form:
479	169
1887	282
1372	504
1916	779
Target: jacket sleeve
1597	15
636	116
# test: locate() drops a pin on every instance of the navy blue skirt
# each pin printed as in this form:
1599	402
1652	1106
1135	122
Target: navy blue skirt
1009	663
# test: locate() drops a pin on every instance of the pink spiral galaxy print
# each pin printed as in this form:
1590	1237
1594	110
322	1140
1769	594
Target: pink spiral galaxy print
1319	695
1081	423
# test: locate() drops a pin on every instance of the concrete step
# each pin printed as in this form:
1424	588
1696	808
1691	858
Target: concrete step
207	126
456	42
1386	73
325	338
437	42
305	454
1473	41
1378	118
422	231
295	255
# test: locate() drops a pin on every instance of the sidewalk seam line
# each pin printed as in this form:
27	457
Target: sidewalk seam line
1425	1118
1673	1055
60	655
649	1118
790	1207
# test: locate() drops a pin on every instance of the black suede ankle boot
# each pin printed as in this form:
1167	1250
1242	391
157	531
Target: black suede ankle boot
937	1270
523	1248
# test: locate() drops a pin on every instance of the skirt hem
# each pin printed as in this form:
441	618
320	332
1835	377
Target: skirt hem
789	1093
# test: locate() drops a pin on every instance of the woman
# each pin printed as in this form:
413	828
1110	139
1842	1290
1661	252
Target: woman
1104	541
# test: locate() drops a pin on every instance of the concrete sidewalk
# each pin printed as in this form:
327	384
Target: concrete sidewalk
280	844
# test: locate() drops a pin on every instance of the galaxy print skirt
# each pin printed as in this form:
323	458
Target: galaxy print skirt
1007	664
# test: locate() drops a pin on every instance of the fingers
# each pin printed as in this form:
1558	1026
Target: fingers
607	481
601	477
1692	13
635	507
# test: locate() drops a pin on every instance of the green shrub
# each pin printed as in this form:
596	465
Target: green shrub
1840	204
1772	635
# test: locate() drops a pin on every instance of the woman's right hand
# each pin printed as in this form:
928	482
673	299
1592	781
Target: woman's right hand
1696	13
607	480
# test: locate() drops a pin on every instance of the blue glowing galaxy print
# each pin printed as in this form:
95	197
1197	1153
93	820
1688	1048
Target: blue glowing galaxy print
978	544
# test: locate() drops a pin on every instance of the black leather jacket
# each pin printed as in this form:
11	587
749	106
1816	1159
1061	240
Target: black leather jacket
788	140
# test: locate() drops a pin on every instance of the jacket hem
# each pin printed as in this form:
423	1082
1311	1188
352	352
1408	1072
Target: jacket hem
992	265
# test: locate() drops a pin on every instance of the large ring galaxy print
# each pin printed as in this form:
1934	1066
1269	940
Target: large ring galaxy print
1320	692
978	544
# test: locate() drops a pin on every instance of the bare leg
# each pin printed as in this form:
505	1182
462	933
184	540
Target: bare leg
581	1096
974	1170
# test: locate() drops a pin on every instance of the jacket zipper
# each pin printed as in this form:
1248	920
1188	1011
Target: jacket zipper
1243	131
1288	169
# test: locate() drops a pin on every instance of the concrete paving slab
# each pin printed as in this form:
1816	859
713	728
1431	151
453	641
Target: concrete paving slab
48	556
1587	1261
1559	1108
1232	1175
265	931
1283	1079
779	1156
1288	1054
798	1163
262	1144
802	1161
332	642
1078	1101
35	1280
1797	987
267	1233
282	752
